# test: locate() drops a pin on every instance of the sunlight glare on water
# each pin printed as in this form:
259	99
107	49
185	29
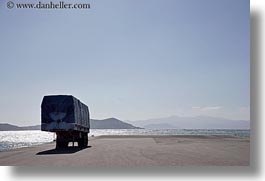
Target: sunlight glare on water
17	139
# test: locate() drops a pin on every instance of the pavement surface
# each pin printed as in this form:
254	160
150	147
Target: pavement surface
135	151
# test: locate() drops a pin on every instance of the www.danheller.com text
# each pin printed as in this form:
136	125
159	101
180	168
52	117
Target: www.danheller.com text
48	5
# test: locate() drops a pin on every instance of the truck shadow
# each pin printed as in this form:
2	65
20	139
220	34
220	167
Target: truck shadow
69	150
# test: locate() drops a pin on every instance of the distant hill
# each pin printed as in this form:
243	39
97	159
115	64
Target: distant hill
173	122
198	122
160	126
10	127
110	123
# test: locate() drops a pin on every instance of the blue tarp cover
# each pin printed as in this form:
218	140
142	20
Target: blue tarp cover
64	108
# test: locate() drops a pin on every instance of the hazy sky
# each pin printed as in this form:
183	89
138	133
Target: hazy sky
130	59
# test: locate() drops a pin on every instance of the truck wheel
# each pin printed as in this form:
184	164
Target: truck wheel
60	144
80	142
85	136
85	140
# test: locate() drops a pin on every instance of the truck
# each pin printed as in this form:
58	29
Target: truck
66	116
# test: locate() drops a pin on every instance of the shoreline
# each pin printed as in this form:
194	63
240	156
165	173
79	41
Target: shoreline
144	136
177	136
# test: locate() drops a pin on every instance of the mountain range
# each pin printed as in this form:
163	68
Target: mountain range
110	123
172	122
198	122
10	127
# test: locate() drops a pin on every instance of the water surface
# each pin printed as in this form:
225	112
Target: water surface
18	139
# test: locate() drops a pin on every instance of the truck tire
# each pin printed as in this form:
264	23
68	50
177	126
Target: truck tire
61	141
60	144
85	140
80	142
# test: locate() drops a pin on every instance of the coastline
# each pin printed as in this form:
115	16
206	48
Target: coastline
137	150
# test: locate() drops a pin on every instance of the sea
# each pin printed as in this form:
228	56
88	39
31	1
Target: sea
17	139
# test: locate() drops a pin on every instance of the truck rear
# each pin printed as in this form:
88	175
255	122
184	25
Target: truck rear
68	117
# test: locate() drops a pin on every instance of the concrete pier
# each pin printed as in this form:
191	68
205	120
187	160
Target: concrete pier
134	151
